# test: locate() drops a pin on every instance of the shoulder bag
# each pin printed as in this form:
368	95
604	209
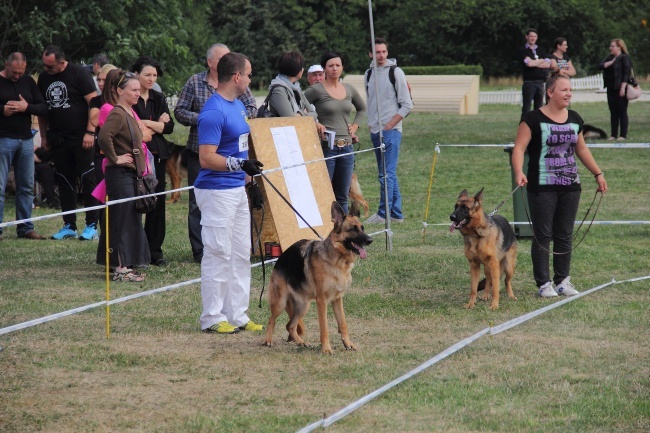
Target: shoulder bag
264	112
632	90
144	184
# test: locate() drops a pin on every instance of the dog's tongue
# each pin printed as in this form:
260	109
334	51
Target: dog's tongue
452	227
362	251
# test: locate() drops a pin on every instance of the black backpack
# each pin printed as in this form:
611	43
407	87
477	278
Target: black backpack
391	77
264	111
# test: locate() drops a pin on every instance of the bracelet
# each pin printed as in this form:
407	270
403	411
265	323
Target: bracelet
599	174
89	132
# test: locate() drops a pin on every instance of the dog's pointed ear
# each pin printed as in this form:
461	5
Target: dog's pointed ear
354	209
337	213
463	193
478	198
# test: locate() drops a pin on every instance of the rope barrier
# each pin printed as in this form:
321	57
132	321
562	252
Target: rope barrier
124	200
592	145
576	223
492	330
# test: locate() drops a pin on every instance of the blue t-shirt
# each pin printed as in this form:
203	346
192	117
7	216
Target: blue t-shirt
552	164
223	123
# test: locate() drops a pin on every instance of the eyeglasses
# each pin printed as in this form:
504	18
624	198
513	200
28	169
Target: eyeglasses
250	76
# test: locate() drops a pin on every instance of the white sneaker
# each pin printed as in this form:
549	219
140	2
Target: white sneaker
546	291
375	219
565	288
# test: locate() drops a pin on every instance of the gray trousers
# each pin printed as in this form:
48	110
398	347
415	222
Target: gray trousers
553	216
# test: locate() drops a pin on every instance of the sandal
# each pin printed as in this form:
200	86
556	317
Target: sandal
128	276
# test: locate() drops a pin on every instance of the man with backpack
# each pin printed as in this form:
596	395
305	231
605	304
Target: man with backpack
389	101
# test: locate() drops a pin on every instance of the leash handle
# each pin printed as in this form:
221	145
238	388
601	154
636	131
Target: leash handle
573	247
289	204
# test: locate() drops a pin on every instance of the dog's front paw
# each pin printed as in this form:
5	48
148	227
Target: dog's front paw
349	345
494	306
267	343
327	350
484	297
469	306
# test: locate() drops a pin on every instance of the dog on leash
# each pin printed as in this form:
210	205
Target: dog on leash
317	270
176	170
489	241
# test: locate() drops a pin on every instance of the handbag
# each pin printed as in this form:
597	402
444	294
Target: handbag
264	112
144	184
632	90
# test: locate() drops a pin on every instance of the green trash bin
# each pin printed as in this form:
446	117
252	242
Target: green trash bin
521	230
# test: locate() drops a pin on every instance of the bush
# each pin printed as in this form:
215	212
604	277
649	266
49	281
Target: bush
444	70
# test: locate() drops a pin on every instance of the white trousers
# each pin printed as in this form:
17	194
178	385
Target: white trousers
226	267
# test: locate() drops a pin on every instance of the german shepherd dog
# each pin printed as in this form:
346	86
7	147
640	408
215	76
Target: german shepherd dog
356	196
489	241
176	169
320	270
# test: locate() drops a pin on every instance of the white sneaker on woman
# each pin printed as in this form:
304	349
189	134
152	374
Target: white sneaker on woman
565	288
546	291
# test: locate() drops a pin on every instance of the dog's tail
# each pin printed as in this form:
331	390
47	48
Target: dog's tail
356	196
593	132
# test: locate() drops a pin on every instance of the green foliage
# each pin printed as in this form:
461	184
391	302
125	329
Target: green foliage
444	70
178	32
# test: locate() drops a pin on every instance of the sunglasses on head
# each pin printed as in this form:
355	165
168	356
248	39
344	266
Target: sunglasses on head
125	75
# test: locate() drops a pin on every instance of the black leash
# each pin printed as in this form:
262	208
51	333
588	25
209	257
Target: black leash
289	204
258	232
575	235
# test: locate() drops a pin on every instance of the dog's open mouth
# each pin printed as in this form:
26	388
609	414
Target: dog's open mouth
456	225
359	250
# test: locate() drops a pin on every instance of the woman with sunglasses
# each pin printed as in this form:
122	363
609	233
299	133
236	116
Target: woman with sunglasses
121	141
154	112
334	101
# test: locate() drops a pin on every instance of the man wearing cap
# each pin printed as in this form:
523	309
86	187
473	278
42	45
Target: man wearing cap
315	74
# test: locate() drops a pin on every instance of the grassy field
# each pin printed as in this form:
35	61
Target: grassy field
582	367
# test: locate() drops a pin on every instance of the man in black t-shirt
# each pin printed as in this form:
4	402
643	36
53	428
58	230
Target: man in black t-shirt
536	67
66	132
20	99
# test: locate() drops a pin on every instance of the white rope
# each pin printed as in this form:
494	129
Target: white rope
124	200
325	422
594	145
604	223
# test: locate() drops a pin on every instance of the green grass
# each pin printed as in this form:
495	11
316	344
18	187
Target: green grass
580	367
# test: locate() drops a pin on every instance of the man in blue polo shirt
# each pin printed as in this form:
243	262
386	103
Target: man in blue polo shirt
221	196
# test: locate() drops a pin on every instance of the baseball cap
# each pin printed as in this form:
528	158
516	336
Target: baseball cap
315	68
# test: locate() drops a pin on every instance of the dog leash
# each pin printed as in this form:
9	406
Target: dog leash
503	202
575	235
258	232
289	204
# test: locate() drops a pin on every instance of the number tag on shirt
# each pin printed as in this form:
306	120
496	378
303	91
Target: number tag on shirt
243	142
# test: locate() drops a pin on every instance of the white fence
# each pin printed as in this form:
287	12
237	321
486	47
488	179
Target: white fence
593	82
588	83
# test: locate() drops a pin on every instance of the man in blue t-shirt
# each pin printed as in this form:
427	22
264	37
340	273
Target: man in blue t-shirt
221	196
